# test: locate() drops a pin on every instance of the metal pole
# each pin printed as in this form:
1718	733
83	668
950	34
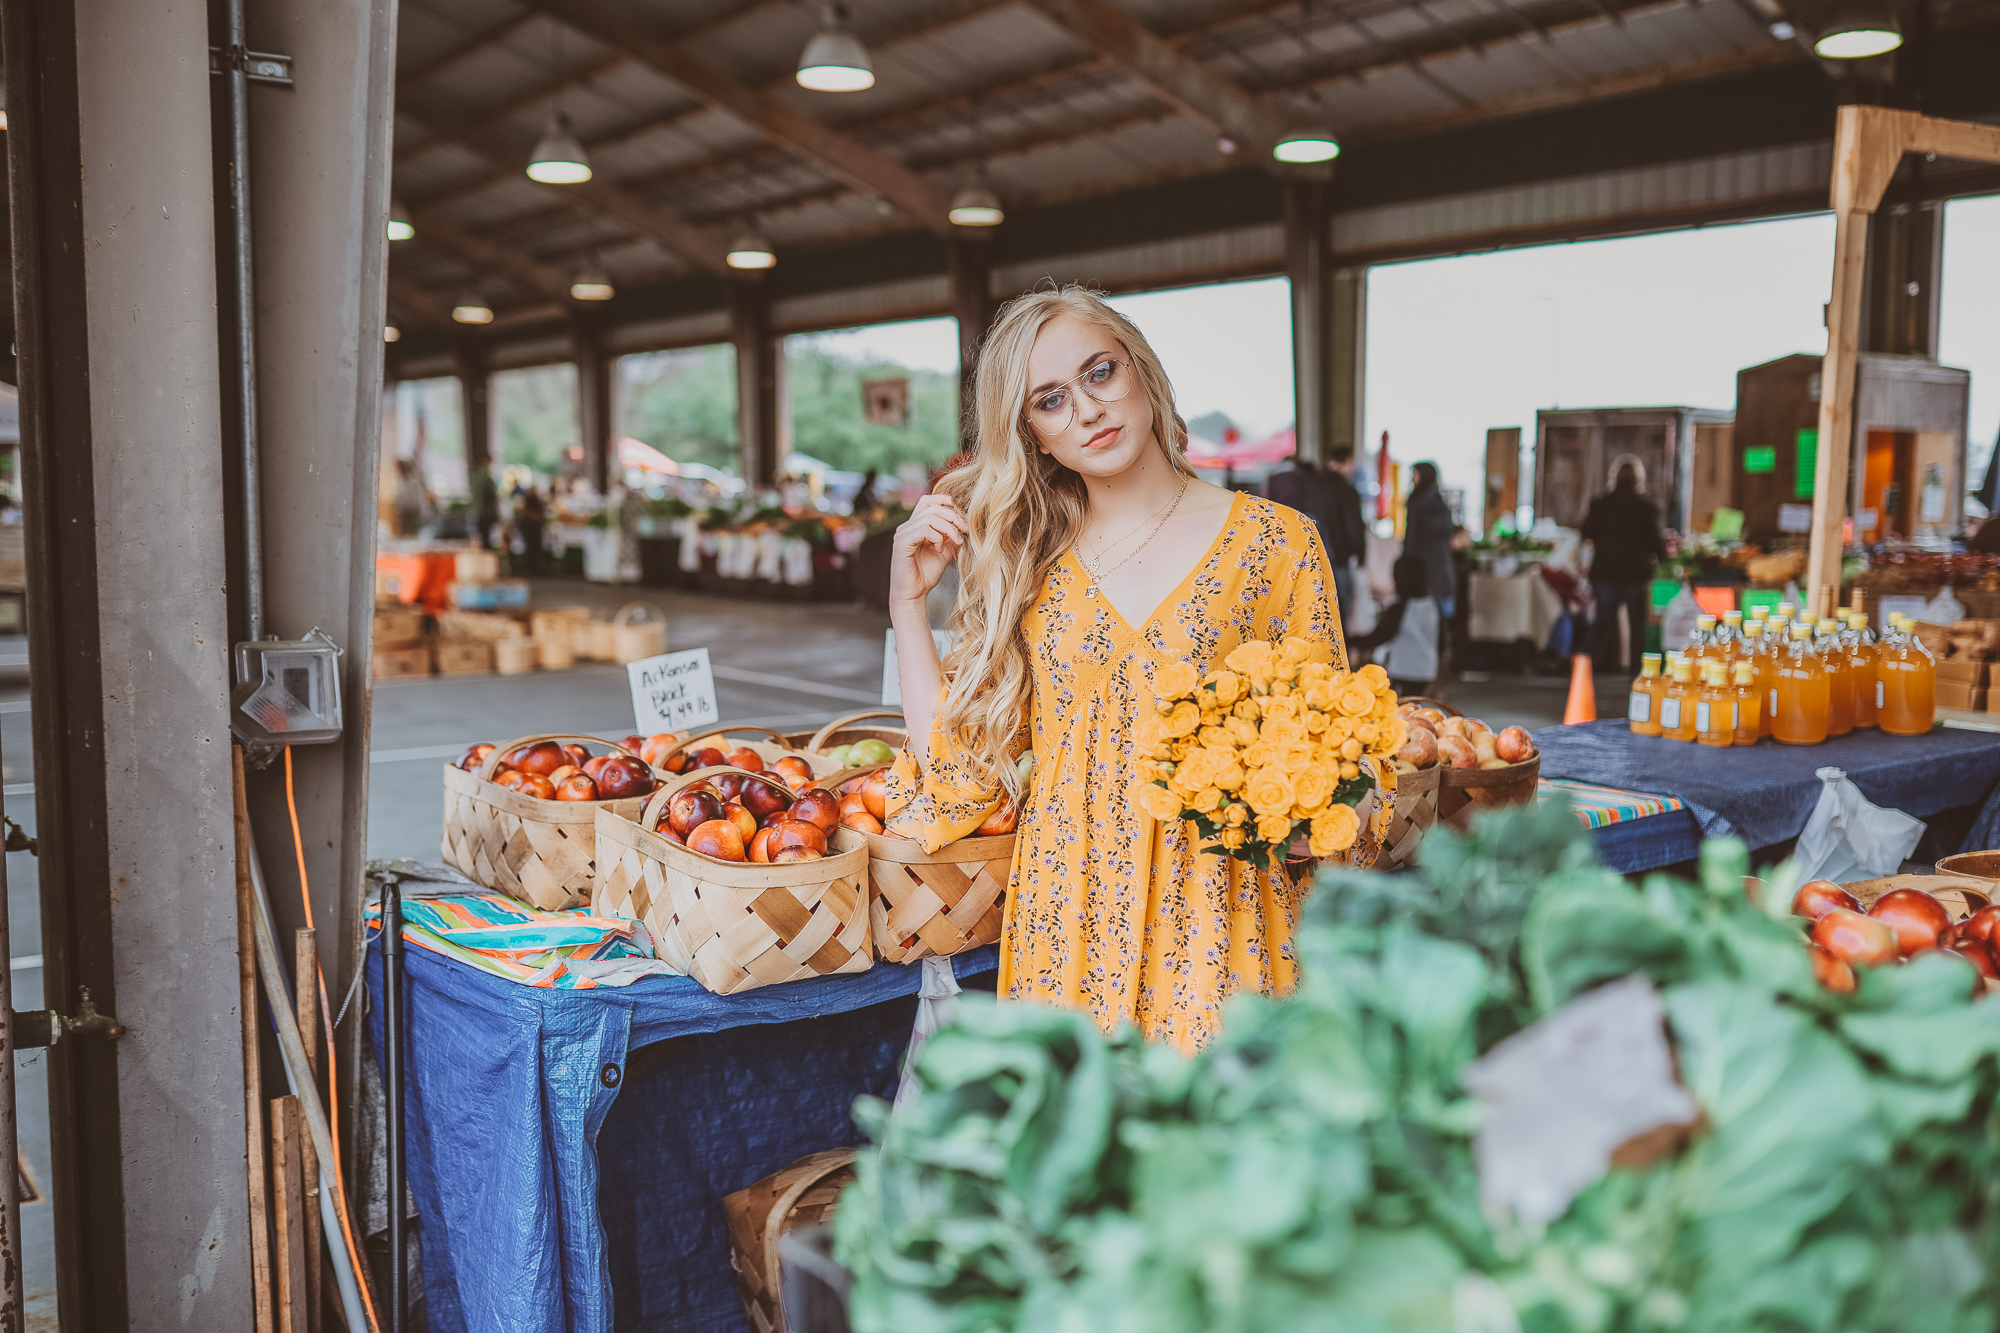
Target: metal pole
242	372
11	1294
392	1078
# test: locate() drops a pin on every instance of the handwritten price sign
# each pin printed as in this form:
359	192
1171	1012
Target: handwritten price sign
674	692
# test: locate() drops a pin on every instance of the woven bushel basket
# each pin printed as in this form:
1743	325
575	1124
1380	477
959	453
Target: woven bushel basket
541	852
847	730
1464	790
1417	793
934	904
736	925
803	1194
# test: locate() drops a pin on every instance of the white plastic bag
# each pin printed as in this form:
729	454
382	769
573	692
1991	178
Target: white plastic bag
1943	609
934	994
1359	616
1677	622
1849	837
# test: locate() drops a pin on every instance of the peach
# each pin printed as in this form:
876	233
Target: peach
565	771
1002	819
474	757
689	809
760	846
797	833
717	838
875	791
1514	744
577	754
654	748
818	806
737	814
861	822
543	758
576	787
537	786
747	759
1456	752
791	766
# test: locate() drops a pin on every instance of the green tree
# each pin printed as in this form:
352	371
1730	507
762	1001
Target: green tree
535	411
825	392
683	403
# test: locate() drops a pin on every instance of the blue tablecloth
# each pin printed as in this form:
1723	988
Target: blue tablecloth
1765	794
1665	839
538	1121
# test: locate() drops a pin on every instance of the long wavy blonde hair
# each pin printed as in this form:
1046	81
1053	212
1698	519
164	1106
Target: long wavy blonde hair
1024	510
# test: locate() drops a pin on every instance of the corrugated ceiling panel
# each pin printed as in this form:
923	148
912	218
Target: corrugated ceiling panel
1160	263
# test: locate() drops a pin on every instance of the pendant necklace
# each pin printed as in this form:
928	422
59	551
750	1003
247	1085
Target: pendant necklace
1097	573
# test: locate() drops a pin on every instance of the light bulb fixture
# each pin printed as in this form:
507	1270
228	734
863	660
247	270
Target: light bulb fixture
472	309
835	61
559	158
1306	142
976	206
751	250
390	333
1857	29
400	226
3	110
591	283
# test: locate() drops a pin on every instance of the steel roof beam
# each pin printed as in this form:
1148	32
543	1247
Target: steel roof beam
484	252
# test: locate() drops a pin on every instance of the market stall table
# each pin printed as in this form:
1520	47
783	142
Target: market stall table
568	1149
1765	794
1513	608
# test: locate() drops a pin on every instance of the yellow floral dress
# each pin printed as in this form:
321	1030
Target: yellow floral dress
1108	909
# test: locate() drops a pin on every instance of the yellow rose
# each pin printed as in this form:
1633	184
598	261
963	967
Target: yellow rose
1228	686
1236	815
1269	791
1319	694
1351	748
1253	659
1259	754
1206	800
1194	771
1312	788
1245	732
1283	707
1285	671
1316	673
1284	731
1366	732
1349	772
1315	722
1217	738
1157	771
1234	838
1184	718
1374	677
1174	679
1338	729
1228	776
1352	698
1160	803
1211	717
1150	735
1178	750
1333	830
1274	829
1295	757
1294	649
1247	710
1391	736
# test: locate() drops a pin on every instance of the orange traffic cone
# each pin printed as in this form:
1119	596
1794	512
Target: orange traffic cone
1582	705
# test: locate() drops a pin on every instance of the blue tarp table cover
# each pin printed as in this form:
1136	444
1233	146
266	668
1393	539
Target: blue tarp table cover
1665	839
1765	794
569	1180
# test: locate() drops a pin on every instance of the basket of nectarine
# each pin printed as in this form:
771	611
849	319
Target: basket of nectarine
845	731
742	881
521	818
928	904
712	749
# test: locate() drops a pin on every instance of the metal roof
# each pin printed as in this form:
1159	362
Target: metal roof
697	130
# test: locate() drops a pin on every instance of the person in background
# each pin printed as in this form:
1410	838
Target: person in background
1407	632
1343	530
530	514
1428	530
864	499
1302	486
409	498
1623	528
485	505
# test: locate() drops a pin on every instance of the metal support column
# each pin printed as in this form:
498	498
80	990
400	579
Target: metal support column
972	306
1899	289
594	418
475	397
1329	325
756	378
123	460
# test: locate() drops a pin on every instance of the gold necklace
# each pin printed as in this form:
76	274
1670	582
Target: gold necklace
1111	546
1097	574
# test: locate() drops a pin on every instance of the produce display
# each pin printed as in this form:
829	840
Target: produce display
1313	1168
746	814
1899	925
550	771
1457	742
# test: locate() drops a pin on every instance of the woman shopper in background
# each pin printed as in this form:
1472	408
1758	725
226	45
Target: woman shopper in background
1092	562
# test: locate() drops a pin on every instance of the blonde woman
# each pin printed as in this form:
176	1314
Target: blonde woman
1091	557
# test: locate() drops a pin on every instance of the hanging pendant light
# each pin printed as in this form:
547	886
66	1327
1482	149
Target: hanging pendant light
400	226
751	250
591	283
835	61
472	309
1857	29
1306	142
390	333
976	206
559	158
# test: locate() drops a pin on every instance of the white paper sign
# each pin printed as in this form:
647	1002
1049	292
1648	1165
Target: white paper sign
1795	518
674	692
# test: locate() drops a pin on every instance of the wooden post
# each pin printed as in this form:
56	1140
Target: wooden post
253	1075
1307	239
756	379
595	428
305	989
288	1197
972	306
475	378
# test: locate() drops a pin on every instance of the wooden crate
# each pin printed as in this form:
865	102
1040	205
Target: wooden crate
398	663
400	628
475	566
463	657
492	626
515	657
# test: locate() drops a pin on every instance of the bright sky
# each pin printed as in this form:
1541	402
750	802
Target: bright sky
1462	344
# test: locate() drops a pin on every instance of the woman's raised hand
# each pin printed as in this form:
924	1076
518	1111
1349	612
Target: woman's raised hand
926	544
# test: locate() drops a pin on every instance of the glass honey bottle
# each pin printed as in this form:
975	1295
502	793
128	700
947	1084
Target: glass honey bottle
1714	721
1729	637
1859	645
1677	703
1840	680
1800	717
1774	641
1747	705
1702	642
1642	711
1907	702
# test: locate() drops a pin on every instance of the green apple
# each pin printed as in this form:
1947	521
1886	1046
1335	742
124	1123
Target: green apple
842	756
870	751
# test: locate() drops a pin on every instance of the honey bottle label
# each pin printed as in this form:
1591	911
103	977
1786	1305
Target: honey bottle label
1640	709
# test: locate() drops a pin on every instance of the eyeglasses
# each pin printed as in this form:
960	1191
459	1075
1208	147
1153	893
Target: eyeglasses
1052	412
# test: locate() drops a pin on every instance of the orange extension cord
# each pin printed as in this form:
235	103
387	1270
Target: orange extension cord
332	1073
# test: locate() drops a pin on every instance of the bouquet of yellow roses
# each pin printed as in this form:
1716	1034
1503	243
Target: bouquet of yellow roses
1272	746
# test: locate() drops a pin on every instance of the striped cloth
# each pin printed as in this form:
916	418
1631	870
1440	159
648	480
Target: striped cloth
1599	806
568	950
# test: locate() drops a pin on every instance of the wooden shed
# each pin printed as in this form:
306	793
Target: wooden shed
1578	450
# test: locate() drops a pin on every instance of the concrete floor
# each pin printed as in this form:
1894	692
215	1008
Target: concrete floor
788	666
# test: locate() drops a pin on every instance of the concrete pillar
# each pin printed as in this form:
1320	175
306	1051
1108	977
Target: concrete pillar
110	186
475	397
595	420
756	378
319	180
1329	325
972	307
1900	282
